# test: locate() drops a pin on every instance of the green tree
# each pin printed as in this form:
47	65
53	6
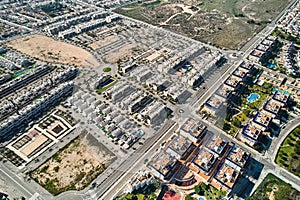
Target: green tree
188	197
197	189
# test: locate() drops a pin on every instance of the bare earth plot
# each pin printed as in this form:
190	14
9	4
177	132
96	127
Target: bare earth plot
75	166
50	50
119	53
224	23
103	42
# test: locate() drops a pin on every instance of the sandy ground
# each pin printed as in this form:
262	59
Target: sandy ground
75	166
121	53
50	50
105	41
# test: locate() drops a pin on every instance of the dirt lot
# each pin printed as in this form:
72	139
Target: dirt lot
50	50
227	23
105	41
75	166
120	53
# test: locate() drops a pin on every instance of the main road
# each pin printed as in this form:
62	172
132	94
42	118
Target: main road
6	174
139	158
118	178
276	143
107	189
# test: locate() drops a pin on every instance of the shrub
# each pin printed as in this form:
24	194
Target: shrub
56	168
107	69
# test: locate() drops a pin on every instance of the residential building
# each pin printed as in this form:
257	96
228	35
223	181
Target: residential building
227	176
217	145
251	134
193	130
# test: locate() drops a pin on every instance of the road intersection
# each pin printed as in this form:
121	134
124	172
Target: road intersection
118	176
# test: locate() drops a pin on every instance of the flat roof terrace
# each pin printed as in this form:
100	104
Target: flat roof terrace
238	156
205	159
247	65
240	72
294	88
281	96
273	106
233	81
228	174
163	162
216	144
271	38
193	127
251	131
263	119
267	42
262	47
257	53
225	90
269	78
180	144
215	101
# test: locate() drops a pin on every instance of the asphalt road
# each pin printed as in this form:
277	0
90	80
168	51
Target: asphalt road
16	181
144	152
118	177
203	95
212	85
283	134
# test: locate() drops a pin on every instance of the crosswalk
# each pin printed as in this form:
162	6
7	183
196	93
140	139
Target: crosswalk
34	196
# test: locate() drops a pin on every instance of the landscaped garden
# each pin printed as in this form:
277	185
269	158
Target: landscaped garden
145	193
209	192
107	69
285	36
289	153
274	188
240	109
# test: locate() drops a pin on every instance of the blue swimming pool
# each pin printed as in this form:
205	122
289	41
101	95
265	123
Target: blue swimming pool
253	97
201	198
19	73
281	91
141	133
271	65
186	67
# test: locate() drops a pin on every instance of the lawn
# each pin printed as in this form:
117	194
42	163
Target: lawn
209	192
288	155
19	73
274	187
145	193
